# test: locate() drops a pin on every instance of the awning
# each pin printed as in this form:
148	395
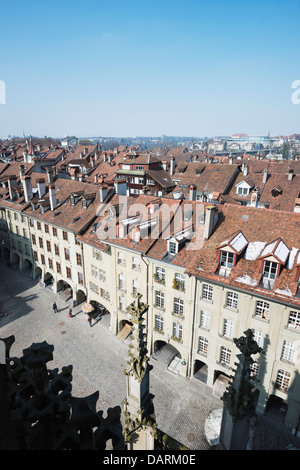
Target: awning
87	308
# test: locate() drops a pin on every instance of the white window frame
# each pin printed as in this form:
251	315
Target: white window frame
159	323
203	346
268	270
121	258
204	320
262	309
283	380
232	300
159	299
289	351
177	331
225	259
178	306
228	328
225	355
294	320
207	292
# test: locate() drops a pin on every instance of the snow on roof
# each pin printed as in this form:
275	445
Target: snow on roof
292	257
246	279
254	249
239	242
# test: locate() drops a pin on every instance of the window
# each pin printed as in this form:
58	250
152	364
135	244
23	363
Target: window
226	259
48	246
207	292
22	219
172	248
269	271
294	320
121	282
50	263
122	303
80	278
204	320
102	275
67	254
78	259
46	227
58	268
159	323
254	369
159	299
178	306
243	191
54	231
56	250
43	259
262	309
35	255
31	223
202	345
69	274
94	270
160	274
283	380
33	239
41	242
94	287
179	281
96	254
289	352
232	300
225	355
228	331
121	258
177	331
65	235
15	216
17	230
136	286
38	224
20	246
259	337
136	263
24	233
104	294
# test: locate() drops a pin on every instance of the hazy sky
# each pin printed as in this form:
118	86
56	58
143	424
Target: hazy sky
132	68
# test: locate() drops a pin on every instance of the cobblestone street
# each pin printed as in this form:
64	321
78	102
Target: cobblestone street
98	358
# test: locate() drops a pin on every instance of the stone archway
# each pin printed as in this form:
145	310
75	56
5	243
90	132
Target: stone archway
125	328
64	289
200	371
80	296
276	408
101	313
27	267
15	261
221	382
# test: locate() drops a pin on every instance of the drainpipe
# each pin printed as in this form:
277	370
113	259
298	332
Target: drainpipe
147	294
193	329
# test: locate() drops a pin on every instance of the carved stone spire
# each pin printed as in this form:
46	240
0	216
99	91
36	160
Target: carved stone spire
239	407
137	408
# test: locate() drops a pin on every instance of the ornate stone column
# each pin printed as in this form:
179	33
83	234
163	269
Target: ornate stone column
137	408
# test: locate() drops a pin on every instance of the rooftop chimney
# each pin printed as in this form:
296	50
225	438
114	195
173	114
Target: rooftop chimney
49	175
22	171
209	221
192	192
172	166
27	187
52	197
41	187
103	193
12	183
265	175
290	174
245	169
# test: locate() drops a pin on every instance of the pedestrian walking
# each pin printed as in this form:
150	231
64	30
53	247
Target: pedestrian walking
54	306
90	320
70	312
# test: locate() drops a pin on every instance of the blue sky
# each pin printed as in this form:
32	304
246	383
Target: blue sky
128	68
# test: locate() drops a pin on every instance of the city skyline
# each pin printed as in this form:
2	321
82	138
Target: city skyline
148	69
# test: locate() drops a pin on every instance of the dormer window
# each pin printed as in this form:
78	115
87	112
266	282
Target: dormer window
172	247
243	191
273	256
226	259
270	270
